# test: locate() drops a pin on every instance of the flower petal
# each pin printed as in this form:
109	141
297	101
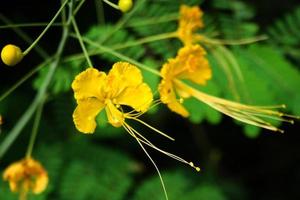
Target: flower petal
85	113
41	183
139	98
190	20
114	116
168	96
195	65
88	84
123	75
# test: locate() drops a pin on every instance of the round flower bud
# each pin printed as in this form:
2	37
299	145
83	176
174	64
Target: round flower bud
125	5
11	55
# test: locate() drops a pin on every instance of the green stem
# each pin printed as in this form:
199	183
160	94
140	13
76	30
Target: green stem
153	20
99	11
14	133
115	6
122	46
46	29
23	25
63	13
35	129
122	22
29	74
121	56
25	37
152	38
79	37
78	7
23	79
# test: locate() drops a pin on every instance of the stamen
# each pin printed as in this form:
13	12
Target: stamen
181	100
193	166
129	130
154	129
254	115
144	140
158	172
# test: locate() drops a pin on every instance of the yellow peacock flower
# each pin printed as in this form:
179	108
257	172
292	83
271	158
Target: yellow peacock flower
95	91
122	86
190	20
26	175
190	64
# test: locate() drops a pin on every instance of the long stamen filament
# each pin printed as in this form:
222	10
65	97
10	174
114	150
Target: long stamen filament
147	142
152	128
128	129
253	115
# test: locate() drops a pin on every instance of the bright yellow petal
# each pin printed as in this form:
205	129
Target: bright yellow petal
168	96
88	84
41	183
123	75
194	65
114	116
139	98
190	20
85	113
202	74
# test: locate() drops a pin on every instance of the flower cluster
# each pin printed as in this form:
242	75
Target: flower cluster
191	64
26	175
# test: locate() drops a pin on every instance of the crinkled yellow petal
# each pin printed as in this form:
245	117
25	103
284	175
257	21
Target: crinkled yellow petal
194	65
85	113
190	15
168	70
190	20
114	116
14	186
41	183
168	96
202	74
88	84
122	75
139	98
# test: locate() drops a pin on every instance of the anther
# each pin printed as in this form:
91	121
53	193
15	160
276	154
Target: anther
193	166
181	100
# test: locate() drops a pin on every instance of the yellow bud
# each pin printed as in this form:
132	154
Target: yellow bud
11	55
125	5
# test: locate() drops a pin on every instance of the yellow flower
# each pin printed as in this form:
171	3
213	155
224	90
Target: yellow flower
94	91
26	175
123	85
190	20
190	64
